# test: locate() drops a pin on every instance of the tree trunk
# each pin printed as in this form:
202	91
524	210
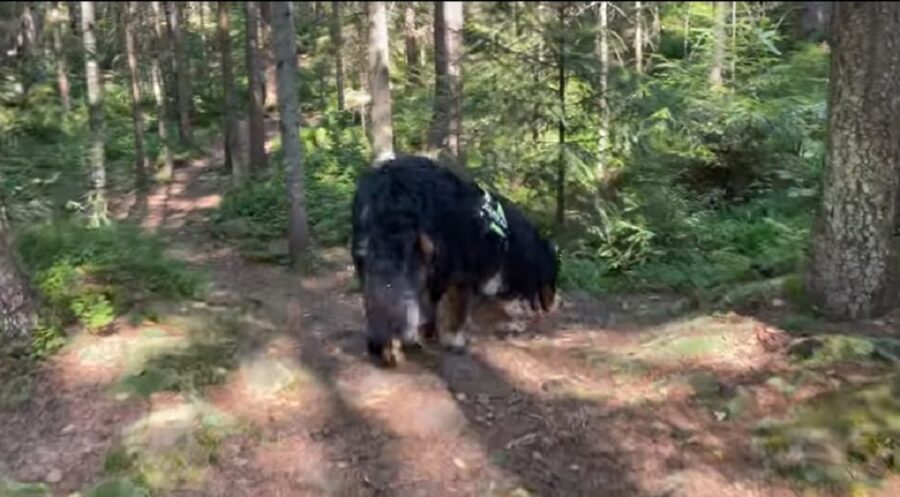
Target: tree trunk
182	75
852	268
411	36
733	54
97	207
17	300
446	127
159	93
74	18
603	88
62	72
289	111
715	72
256	89
265	35
236	163
561	166
337	39
379	81
687	27
638	37
140	161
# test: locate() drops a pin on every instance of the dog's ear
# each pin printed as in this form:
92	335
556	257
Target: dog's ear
426	247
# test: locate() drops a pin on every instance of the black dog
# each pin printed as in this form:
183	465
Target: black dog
420	234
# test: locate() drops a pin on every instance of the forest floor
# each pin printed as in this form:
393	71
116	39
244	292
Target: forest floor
263	388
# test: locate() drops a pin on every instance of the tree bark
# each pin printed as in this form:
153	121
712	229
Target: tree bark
603	88
256	89
446	127
265	35
289	112
140	160
733	54
74	18
159	92
379	81
638	37
718	62
182	75
17	300
97	203
687	27
337	39
411	37
852	268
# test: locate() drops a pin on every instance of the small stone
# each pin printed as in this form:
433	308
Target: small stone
343	465
68	429
461	397
575	467
122	396
536	456
777	303
459	463
54	476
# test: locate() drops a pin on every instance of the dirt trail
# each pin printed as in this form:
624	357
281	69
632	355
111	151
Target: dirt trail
565	407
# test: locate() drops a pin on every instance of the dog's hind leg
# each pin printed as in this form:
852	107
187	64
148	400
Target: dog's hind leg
453	316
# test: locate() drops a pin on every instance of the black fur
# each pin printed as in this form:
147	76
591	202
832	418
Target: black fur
411	199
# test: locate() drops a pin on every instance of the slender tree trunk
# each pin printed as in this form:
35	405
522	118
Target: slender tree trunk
17	300
256	91
159	93
97	207
411	36
182	75
852	269
715	72
62	72
687	27
337	39
379	79
561	166
289	111
140	161
446	128
74	18
265	42
638	37
234	162
603	87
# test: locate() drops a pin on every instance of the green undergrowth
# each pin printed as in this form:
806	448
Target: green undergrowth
91	276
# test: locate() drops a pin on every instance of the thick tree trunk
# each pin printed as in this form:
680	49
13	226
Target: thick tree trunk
603	88
140	160
256	91
852	271
289	111
337	39
159	93
59	53
17	300
638	37
97	204
446	127
411	37
182	75
718	62
379	81
265	39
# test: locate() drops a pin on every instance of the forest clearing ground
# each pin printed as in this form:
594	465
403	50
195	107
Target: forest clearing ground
263	388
